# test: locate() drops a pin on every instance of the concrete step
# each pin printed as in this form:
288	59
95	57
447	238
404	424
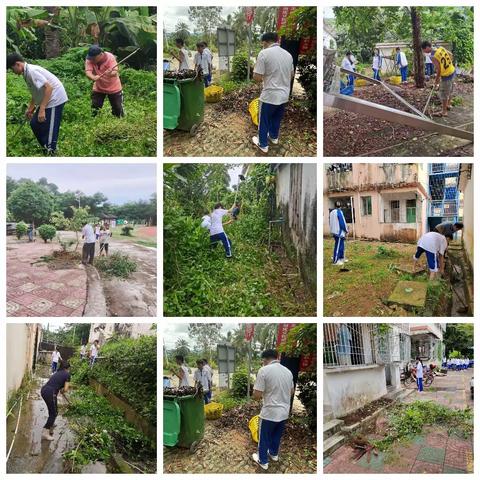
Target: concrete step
332	427
332	443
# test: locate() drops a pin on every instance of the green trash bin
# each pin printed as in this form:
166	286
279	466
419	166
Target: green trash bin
192	421
183	104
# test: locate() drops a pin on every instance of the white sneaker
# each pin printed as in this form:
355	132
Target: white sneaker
339	262
256	142
257	461
273	457
46	435
346	260
273	140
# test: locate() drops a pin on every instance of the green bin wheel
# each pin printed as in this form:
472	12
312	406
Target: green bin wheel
193	130
194	446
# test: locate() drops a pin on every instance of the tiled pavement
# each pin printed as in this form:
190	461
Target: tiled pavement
432	452
34	290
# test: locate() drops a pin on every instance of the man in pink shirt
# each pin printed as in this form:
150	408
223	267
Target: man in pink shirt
101	68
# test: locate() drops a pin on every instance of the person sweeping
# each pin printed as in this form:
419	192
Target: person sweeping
46	105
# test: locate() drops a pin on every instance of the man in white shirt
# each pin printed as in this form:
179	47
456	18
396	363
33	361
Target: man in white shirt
434	245
217	233
56	357
202	62
274	68
402	62
274	384
182	372
47	102
88	251
348	63
207	367
202	378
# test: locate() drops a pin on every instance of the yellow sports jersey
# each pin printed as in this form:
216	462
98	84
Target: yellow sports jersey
447	67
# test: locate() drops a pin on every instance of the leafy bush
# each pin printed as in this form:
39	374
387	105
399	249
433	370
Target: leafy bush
80	371
307	76
240	384
127	230
102	429
228	401
385	252
240	65
116	265
307	387
128	368
21	229
47	232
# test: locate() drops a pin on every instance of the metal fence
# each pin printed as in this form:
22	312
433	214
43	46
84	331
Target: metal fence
349	344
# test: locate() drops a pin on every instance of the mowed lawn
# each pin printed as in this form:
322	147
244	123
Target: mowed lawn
370	280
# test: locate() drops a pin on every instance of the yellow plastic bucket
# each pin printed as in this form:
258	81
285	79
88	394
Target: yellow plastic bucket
213	93
396	80
360	82
253	110
254	425
213	410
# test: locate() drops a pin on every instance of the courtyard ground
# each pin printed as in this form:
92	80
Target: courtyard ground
227	130
350	134
434	450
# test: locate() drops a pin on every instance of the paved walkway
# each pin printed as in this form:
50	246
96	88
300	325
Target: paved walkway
35	290
433	451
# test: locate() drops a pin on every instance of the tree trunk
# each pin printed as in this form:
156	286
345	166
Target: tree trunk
52	35
418	64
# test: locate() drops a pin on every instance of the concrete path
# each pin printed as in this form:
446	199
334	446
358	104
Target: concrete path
35	290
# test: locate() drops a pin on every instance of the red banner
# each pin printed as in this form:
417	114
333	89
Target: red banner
249	331
307	44
249	14
282	15
306	361
282	332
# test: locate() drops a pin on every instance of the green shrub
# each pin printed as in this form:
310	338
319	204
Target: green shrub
228	401
127	230
21	229
116	265
240	384
80	371
128	368
240	67
307	388
47	232
307	76
385	252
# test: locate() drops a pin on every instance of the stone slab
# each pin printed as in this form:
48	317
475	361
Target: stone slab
402	295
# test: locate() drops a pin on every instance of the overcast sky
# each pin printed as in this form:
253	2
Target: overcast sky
328	12
120	183
173	331
173	15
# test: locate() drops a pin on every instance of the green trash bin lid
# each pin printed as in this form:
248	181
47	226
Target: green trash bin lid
171	422
171	105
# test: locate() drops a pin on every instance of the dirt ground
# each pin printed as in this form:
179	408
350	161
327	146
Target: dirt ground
370	273
229	450
349	134
136	296
227	130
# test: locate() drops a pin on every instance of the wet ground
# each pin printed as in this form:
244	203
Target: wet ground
31	453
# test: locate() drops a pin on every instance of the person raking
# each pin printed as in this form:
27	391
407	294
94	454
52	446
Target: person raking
274	385
46	105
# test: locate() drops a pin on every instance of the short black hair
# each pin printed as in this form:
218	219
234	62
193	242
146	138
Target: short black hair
180	357
338	204
348	52
426	44
180	41
269	37
204	360
218	205
398	48
459	225
13	58
200	44
200	362
270	353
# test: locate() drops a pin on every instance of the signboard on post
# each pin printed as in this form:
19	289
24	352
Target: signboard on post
226	363
226	46
249	331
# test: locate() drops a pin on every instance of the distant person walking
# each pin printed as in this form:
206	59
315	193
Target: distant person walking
58	382
402	62
94	349
56	357
101	67
47	102
377	64
202	378
88	250
274	69
274	385
419	374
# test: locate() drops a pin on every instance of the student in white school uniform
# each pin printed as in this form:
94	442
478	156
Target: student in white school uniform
203	378
56	357
181	55
217	233
434	245
182	372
